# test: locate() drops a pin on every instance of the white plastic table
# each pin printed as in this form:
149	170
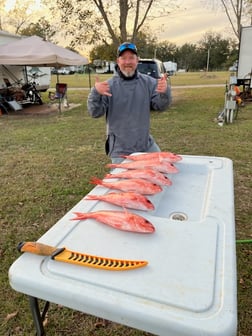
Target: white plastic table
189	285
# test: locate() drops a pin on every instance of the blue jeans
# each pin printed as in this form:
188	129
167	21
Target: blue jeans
153	148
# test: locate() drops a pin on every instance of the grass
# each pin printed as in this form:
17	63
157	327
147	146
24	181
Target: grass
192	78
45	166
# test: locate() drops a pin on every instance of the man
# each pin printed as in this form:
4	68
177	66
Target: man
126	100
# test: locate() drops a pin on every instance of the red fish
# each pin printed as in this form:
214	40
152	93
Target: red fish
125	199
135	185
161	165
151	175
168	156
121	220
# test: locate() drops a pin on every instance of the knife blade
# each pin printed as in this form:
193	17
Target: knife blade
64	255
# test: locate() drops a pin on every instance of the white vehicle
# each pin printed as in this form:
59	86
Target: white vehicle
171	67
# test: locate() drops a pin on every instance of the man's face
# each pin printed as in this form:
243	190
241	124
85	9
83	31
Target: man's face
127	63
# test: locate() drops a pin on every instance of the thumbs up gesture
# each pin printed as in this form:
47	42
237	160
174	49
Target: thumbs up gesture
102	87
162	84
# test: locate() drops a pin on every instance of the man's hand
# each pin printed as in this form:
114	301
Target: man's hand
162	84
102	87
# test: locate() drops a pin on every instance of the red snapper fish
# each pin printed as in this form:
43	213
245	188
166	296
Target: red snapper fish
161	165
125	199
151	175
121	220
135	185
168	156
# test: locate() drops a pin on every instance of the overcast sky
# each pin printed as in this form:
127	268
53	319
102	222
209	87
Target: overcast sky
190	24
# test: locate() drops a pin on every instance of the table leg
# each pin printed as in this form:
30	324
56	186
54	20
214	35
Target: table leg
37	316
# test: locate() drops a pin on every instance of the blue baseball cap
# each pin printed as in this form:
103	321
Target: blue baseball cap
126	46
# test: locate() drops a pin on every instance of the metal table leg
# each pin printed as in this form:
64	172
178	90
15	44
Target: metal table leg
38	317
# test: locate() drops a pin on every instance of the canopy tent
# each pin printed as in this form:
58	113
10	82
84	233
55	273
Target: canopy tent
35	51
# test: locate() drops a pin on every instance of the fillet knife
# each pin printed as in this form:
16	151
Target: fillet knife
82	259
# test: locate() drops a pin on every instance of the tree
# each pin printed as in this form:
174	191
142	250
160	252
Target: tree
165	51
18	15
216	50
239	12
186	55
146	46
42	28
107	21
2	6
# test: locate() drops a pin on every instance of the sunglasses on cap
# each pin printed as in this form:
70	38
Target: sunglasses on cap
126	46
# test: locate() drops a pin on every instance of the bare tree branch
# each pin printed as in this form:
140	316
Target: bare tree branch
238	12
100	6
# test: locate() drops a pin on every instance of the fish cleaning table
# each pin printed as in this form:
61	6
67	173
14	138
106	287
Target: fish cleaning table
188	287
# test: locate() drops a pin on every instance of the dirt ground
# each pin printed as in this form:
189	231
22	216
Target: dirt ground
44	109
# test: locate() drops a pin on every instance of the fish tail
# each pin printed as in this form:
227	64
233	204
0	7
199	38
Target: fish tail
80	215
125	210
91	197
95	180
111	165
108	176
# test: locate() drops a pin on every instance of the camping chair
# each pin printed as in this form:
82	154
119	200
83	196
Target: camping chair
60	94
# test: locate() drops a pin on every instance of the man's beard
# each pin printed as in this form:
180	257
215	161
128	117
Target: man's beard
128	73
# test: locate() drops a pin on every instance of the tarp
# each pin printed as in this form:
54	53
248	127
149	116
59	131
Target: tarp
35	51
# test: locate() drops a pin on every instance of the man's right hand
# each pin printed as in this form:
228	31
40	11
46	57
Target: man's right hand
102	87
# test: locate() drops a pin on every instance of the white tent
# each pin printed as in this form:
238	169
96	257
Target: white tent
37	52
34	51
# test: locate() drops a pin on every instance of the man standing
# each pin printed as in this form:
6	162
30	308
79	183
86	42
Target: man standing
126	100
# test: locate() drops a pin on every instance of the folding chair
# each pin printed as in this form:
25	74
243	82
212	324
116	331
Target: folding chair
60	94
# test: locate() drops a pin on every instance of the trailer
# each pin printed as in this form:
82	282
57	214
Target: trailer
104	67
244	70
170	67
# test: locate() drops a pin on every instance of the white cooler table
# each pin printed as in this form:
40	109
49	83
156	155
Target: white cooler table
189	285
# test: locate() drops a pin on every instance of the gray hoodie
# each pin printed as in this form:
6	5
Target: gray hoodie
127	112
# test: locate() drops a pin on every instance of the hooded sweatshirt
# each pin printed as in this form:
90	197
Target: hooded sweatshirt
127	112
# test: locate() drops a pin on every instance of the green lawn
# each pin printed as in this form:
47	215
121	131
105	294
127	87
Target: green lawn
184	78
46	163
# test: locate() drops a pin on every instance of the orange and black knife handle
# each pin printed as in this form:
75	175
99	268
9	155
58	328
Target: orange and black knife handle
40	249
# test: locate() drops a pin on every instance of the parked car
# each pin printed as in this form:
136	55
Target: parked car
63	71
152	67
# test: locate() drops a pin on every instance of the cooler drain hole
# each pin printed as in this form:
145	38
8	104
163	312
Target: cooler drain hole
179	216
